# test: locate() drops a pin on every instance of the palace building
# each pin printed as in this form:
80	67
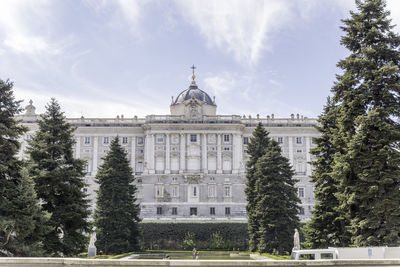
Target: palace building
190	164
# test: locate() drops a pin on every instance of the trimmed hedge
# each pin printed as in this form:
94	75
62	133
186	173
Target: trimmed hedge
170	235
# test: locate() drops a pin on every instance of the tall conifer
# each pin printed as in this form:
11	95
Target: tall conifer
21	218
366	163
59	182
256	148
276	201
117	214
326	227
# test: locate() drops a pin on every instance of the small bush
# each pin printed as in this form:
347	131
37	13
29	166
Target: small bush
217	241
188	241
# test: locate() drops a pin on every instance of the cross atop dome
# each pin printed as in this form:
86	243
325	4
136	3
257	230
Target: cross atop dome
193	68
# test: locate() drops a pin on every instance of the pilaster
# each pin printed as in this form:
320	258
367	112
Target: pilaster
167	154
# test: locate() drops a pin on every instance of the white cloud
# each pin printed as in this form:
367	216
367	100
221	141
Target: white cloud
394	7
241	28
220	84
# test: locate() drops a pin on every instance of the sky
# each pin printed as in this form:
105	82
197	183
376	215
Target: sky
106	58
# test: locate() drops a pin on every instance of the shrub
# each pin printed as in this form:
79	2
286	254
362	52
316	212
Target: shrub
188	241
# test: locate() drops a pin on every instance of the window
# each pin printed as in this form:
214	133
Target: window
174	211
159	210
159	191
175	191
300	192
193	138
298	140
212	190
174	179
245	140
226	148
105	140
86	168
301	211
212	179
226	137
87	140
193	211
227	211
212	211
160	139
124	140
139	181
28	137
195	191
280	140
140	140
299	150
227	191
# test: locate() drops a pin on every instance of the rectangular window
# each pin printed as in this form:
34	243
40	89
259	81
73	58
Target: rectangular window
212	211
175	191
159	191
300	192
105	140
160	139
195	191
299	150
87	140
28	137
245	140
226	148
227	211
174	211
298	140
227	191
301	211
140	140
159	210
280	140
86	168
193	138
226	137
124	140
211	190
193	211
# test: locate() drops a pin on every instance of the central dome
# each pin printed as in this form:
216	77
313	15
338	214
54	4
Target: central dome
193	92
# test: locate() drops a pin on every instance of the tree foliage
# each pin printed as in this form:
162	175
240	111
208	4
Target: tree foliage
59	183
276	201
117	214
21	218
256	148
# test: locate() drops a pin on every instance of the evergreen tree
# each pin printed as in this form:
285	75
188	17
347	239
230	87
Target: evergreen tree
256	148
326	227
276	201
59	183
117	214
21	218
366	162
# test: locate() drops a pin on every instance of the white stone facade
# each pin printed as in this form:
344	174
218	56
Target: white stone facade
190	165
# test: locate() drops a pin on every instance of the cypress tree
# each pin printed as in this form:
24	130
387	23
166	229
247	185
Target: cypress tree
116	215
276	201
366	162
21	218
326	227
59	183
256	148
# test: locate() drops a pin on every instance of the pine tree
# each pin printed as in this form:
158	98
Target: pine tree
21	218
59	183
117	214
366	162
256	148
276	201
326	227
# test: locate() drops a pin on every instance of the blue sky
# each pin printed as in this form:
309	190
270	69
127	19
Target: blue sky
106	58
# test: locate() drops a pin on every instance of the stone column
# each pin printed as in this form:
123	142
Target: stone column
146	154
219	153
151	157
78	147
291	157
95	154
182	165
204	153
133	154
167	154
308	156
237	152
